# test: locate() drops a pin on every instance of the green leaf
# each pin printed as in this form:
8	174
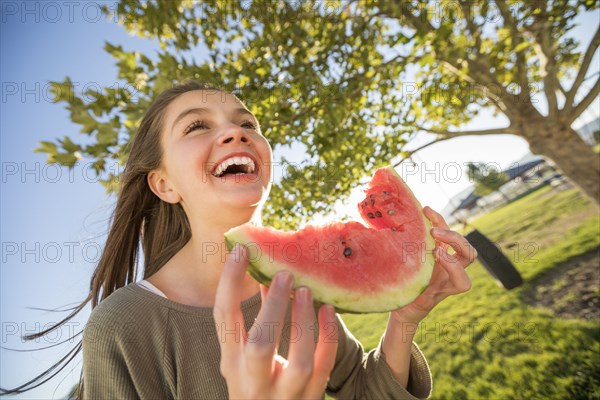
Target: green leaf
522	46
68	145
46	147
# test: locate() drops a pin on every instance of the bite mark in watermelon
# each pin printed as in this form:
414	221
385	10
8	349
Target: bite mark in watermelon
356	268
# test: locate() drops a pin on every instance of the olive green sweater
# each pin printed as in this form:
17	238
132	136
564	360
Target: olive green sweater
140	345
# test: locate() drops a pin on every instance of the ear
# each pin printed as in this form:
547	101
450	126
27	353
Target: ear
161	187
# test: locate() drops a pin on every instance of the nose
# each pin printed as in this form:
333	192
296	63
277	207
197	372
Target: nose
233	134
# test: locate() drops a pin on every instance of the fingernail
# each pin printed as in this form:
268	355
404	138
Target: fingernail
437	231
235	252
283	280
304	295
329	309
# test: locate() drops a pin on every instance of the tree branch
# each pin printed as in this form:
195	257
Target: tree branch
562	89
585	64
417	22
467	9
480	67
585	103
445	135
492	131
517	39
482	89
410	153
303	111
482	78
542	43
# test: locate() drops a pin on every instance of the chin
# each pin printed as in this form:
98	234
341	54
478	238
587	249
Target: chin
253	197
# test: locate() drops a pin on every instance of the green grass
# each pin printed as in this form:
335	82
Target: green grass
490	343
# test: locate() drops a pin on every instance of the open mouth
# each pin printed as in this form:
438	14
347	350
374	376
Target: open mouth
235	166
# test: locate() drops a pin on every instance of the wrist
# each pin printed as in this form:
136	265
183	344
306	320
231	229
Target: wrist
403	317
402	328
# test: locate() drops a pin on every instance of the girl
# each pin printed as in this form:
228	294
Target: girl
197	326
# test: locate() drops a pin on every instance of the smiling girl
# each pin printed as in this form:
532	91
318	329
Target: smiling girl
197	326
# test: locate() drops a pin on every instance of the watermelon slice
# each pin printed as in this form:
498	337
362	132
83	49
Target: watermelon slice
355	268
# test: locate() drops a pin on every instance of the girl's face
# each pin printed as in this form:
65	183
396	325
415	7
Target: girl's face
215	159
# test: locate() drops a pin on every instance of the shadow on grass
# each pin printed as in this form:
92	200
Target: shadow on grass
570	289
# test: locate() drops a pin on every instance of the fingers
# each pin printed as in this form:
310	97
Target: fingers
437	220
454	264
227	313
302	346
264	290
443	233
465	253
264	336
302	342
456	273
324	356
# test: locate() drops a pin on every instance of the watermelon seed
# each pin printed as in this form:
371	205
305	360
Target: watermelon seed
377	214
370	215
347	252
384	192
391	212
372	202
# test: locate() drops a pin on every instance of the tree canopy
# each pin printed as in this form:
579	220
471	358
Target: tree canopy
349	83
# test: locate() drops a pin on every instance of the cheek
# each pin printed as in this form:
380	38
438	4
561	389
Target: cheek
192	159
266	154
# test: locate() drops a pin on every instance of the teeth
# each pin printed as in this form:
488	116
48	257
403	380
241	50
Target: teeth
245	161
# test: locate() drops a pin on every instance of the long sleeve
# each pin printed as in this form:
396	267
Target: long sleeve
120	357
140	345
357	375
105	369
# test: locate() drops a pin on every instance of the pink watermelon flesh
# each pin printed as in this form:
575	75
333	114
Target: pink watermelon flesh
353	267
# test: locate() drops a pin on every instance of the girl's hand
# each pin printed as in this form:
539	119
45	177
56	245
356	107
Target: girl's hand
449	276
249	360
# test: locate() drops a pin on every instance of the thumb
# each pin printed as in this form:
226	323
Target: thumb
237	255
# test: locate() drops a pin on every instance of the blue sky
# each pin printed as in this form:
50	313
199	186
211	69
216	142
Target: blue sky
54	221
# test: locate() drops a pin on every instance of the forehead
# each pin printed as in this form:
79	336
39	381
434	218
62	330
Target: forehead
210	99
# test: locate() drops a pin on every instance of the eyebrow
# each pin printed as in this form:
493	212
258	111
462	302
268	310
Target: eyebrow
200	110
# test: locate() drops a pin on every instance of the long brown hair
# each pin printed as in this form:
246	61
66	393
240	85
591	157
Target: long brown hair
139	217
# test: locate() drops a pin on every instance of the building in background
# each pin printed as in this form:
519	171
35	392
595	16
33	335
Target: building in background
526	175
587	131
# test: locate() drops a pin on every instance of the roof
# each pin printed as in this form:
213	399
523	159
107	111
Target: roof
520	169
512	173
469	200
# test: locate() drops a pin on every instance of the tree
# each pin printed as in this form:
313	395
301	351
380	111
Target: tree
486	180
337	80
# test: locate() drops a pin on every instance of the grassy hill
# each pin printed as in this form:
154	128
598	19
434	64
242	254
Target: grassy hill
492	343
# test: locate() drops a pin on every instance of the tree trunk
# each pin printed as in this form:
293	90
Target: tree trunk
571	155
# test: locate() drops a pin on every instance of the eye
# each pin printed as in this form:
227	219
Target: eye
194	126
248	125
